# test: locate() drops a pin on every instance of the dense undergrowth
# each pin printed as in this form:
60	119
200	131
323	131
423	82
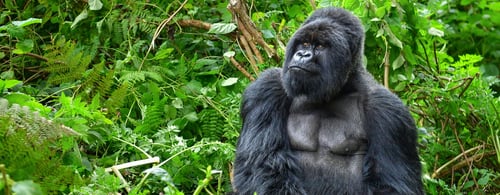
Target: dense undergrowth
89	86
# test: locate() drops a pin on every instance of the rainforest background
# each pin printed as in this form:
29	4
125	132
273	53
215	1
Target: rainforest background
142	97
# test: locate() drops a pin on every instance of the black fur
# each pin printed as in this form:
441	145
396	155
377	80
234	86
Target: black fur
321	124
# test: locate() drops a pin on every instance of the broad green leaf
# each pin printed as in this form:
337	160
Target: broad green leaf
79	18
392	38
27	187
408	54
27	22
18	98
229	81
229	54
99	25
9	74
435	32
466	2
258	15
7	84
24	46
177	103
163	53
95	4
170	112
402	77
468	184
380	12
483	181
400	86
268	34
495	6
222	28
200	63
191	116
193	87
398	62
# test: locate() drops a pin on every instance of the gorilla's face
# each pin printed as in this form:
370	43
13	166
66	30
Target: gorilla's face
318	60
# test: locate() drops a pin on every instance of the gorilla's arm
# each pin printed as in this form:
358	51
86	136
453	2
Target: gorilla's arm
264	163
391	163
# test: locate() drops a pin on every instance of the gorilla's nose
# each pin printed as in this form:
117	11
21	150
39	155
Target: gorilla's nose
303	56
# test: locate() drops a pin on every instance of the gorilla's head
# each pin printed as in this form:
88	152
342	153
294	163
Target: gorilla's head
322	54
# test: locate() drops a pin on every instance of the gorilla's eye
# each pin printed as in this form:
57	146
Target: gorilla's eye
320	47
306	44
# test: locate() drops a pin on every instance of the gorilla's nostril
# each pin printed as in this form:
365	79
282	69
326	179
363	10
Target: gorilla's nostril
303	55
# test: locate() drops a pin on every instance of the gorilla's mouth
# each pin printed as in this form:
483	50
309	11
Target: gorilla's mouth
299	68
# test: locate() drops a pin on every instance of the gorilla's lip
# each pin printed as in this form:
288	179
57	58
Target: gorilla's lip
300	68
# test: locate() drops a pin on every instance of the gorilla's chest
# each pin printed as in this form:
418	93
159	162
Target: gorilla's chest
328	132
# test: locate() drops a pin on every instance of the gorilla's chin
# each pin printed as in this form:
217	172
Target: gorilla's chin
297	82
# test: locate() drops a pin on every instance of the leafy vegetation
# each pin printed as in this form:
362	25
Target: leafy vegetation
140	97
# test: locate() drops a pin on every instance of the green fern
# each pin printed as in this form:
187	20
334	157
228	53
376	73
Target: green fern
140	76
211	124
154	117
31	145
65	62
117	98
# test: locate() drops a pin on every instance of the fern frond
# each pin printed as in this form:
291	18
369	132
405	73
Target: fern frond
37	126
104	85
133	77
153	118
212	125
117	97
66	62
31	148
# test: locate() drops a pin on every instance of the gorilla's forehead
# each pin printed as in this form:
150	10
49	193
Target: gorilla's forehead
320	30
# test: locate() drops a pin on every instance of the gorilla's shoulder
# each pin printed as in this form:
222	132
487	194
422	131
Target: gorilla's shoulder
267	85
384	102
266	91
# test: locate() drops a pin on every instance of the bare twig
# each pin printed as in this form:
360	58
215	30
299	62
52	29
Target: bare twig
446	169
248	52
122	179
435	56
248	29
158	30
134	164
467	85
33	55
462	148
241	69
249	39
195	23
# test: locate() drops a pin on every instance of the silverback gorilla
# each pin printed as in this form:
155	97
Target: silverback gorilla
322	124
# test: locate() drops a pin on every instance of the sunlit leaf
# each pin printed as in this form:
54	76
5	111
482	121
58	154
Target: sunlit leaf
222	28
8	83
27	187
495	6
79	18
27	22
483	180
99	25
229	54
398	62
24	46
95	4
435	32
229	81
191	116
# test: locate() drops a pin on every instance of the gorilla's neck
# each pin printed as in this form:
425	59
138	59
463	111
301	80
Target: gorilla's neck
356	83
